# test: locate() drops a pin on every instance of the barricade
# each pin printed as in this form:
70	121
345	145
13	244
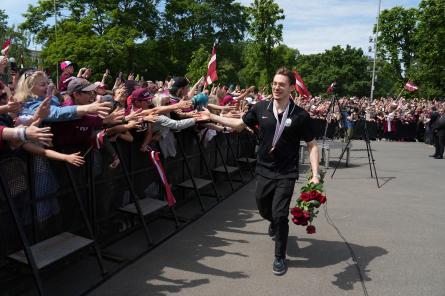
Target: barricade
43	199
411	131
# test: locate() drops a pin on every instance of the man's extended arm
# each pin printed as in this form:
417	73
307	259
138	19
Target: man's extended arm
314	159
235	123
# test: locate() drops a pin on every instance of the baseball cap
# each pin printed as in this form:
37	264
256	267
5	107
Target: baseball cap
80	84
65	64
141	94
179	82
100	84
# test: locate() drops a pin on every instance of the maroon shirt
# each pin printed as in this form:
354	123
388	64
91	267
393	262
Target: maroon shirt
75	132
64	80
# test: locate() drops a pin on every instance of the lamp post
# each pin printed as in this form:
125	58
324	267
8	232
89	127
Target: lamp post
375	52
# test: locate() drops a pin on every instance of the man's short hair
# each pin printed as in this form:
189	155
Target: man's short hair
286	72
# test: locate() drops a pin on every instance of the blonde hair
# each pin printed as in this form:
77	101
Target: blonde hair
25	85
160	99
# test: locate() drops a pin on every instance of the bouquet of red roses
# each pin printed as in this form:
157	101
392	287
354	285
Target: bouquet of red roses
311	198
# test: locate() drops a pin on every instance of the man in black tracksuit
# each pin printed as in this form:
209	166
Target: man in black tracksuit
438	128
282	125
434	121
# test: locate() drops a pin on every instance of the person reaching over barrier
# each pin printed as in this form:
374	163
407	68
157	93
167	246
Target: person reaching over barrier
281	125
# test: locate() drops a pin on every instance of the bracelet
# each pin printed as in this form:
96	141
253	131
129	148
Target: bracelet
316	175
24	134
19	134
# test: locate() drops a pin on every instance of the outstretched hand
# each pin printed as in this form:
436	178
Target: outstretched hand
204	115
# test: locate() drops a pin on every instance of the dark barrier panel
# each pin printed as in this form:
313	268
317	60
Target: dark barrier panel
404	131
41	191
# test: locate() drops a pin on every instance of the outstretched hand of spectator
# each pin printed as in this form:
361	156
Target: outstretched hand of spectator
151	118
184	104
42	112
135	115
75	159
42	135
11	106
101	109
81	72
3	64
114	117
203	115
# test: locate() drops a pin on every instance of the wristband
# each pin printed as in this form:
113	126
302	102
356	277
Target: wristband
20	134
24	134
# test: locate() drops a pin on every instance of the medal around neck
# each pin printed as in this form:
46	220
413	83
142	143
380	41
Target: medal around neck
288	122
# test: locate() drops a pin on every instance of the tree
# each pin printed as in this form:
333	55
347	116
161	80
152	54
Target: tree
347	66
99	34
430	68
198	66
397	32
19	40
189	24
266	34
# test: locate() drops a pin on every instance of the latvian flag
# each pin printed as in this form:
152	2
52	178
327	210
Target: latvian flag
331	87
98	140
300	86
5	47
410	86
154	157
211	69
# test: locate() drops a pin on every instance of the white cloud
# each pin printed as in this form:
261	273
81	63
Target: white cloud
317	25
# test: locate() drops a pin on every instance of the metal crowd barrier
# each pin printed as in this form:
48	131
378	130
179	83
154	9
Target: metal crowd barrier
404	131
52	213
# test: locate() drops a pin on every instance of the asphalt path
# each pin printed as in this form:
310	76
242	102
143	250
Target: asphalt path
371	241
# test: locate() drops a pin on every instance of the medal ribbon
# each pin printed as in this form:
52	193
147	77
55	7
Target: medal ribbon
279	127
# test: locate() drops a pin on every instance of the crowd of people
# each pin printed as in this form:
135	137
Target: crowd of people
41	118
31	102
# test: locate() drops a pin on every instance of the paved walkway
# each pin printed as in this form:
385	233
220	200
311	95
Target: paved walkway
397	234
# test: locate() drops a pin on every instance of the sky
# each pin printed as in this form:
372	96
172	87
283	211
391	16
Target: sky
310	26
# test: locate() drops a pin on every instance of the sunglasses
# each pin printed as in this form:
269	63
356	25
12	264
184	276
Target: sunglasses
29	73
91	92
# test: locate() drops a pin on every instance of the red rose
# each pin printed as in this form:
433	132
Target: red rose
306	214
322	199
313	195
296	212
304	223
310	229
305	196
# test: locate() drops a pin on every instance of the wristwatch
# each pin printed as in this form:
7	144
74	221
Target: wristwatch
316	176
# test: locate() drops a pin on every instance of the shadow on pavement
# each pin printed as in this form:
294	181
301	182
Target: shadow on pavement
321	253
191	253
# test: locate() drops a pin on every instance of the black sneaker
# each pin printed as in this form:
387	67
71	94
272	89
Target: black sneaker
271	231
279	266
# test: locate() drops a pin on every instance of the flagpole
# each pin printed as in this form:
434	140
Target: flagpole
400	93
375	52
55	34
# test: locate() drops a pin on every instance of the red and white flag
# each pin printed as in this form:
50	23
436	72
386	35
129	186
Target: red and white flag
211	69
155	159
331	87
300	86
5	47
98	140
410	86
